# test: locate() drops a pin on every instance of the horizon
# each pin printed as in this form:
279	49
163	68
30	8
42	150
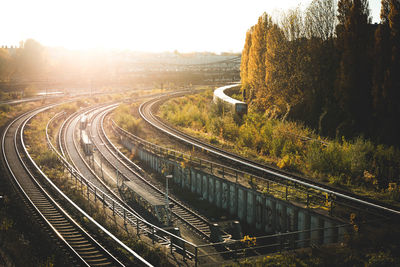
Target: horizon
150	27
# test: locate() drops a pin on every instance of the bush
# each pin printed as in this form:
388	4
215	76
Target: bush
4	108
359	155
246	136
230	130
326	160
380	259
69	108
48	159
123	117
385	165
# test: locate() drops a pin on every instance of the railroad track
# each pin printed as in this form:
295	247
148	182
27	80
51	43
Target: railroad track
85	250
244	164
118	206
69	150
132	172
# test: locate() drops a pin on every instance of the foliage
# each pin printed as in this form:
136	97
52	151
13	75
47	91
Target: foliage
123	117
5	65
4	108
69	108
356	164
339	76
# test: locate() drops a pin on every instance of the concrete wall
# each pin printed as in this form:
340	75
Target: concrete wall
253	208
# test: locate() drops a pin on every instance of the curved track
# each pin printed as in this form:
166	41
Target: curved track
131	171
85	249
71	150
146	112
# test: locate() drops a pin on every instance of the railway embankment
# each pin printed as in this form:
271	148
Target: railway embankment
356	165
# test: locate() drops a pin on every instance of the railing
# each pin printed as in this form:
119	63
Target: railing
141	226
228	249
277	242
311	198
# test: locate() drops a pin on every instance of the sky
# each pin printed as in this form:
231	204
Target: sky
145	25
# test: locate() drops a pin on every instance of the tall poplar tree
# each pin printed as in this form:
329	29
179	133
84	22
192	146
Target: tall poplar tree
392	78
382	57
256	63
244	65
353	84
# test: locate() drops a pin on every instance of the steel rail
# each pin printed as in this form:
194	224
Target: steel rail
145	111
117	204
132	218
120	206
109	234
176	210
106	140
77	173
57	219
88	258
19	187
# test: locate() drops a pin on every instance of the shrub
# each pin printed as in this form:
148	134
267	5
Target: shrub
326	160
69	107
4	108
360	154
380	259
246	136
48	158
230	130
386	165
357	162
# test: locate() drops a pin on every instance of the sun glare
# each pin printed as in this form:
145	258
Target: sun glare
136	25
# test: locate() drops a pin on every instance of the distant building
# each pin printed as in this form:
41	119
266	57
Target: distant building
12	50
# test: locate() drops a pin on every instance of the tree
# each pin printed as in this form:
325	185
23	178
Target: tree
320	20
244	64
256	62
297	60
382	61
30	59
284	64
275	75
343	13
5	65
292	24
392	77
330	69
353	81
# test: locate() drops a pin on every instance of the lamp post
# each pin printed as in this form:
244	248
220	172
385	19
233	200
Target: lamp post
101	161
99	154
167	177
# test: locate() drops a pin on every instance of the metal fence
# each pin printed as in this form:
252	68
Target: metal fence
230	249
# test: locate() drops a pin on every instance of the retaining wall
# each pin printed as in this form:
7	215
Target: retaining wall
254	208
